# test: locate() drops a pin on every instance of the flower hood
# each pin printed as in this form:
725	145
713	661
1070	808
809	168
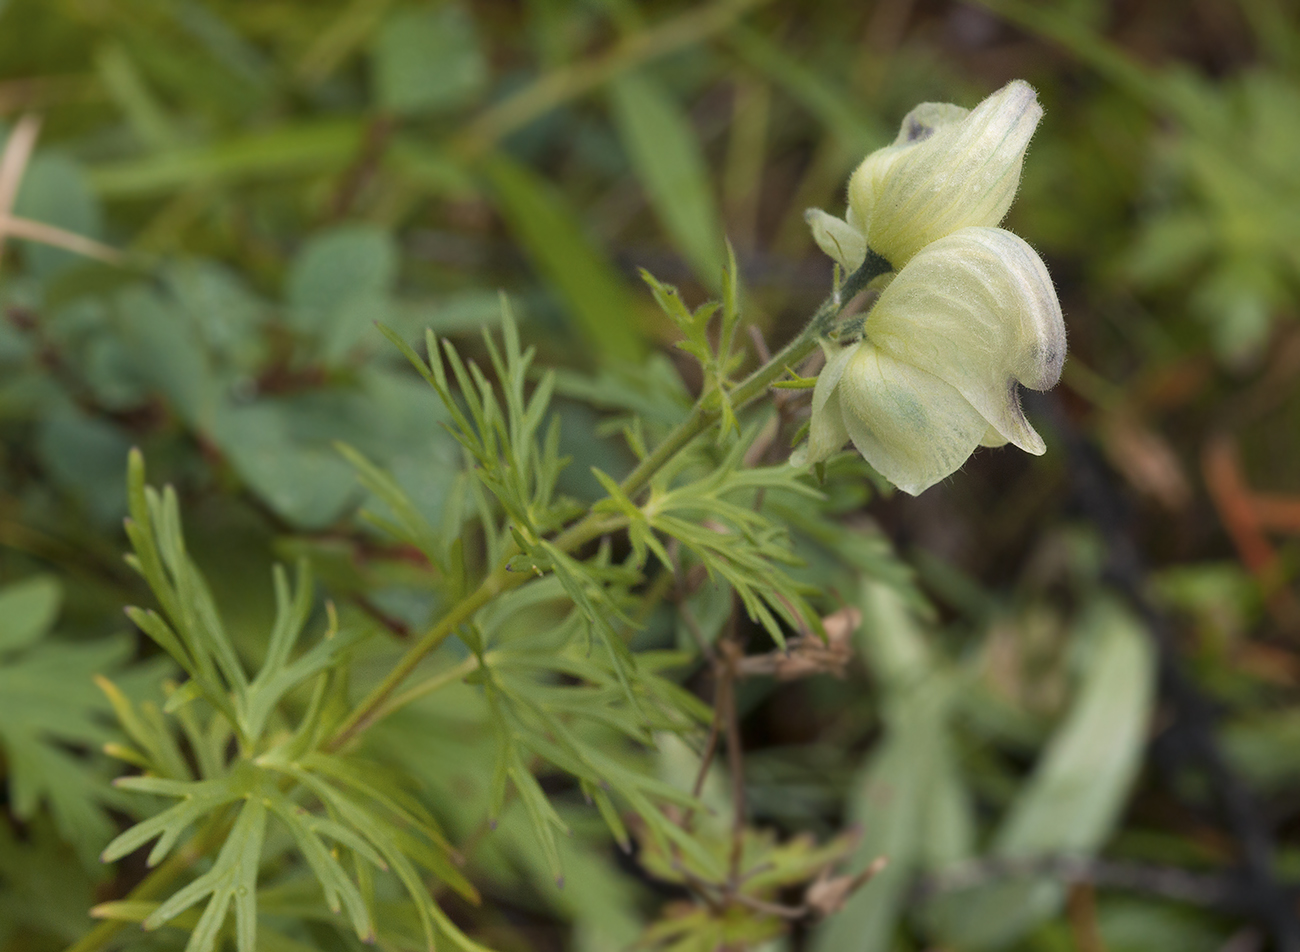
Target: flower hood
949	168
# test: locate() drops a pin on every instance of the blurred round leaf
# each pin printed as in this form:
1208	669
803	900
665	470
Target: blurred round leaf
427	61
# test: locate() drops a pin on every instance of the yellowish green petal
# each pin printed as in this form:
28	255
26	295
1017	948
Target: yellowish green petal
977	309
948	169
911	426
993	439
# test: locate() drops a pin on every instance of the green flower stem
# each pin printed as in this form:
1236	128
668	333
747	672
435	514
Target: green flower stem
377	703
430	684
368	711
753	386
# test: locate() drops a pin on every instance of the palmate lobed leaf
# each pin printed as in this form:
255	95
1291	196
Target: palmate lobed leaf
525	720
385	790
390	842
597	607
535	712
232	879
48	703
198	800
28	608
501	435
370	822
156	748
278	676
191	631
718	519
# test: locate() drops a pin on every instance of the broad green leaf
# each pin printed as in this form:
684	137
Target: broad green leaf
605	315
282	449
167	352
428	61
1132	924
224	313
27	611
86	456
892	638
340	284
408	522
54	191
1101	742
1078	789
902	800
49	704
1265	747
666	154
909	799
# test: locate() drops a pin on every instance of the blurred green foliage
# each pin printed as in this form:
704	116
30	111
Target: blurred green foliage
281	175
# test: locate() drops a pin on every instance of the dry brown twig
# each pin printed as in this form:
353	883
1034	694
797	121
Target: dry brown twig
13	165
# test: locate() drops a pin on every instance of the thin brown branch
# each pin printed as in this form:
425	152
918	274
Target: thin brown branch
13	163
728	663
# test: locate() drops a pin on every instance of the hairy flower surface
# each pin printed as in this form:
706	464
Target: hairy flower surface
949	168
935	374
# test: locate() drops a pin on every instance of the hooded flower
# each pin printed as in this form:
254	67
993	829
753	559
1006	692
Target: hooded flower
949	168
966	321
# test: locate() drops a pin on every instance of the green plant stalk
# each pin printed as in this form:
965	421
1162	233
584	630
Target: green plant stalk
501	580
593	525
434	682
789	357
378	703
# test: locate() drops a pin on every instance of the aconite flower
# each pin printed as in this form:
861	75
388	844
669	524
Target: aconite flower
936	373
949	168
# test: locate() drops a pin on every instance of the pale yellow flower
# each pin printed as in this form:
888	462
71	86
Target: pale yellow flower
949	168
966	321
